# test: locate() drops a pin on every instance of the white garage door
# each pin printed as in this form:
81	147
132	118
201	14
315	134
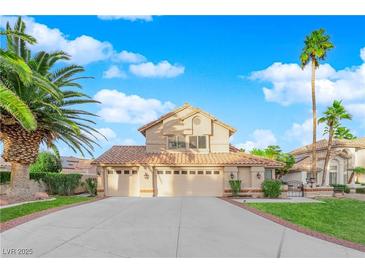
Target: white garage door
122	183
189	182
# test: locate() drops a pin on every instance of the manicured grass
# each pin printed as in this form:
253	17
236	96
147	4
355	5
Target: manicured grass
341	218
10	213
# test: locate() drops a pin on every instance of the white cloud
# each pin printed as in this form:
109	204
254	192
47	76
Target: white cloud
108	133
161	70
302	132
289	84
83	49
358	111
147	18
129	57
114	72
261	138
118	107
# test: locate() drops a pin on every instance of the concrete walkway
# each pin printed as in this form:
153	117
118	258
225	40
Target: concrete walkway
162	227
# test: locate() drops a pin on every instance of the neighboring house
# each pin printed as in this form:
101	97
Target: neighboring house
77	165
345	155
186	153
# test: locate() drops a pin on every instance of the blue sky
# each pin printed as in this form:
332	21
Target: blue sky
242	69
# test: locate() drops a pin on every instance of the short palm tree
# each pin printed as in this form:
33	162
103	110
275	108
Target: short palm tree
316	46
356	171
51	95
344	133
332	118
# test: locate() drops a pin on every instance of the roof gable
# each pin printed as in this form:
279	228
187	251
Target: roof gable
193	112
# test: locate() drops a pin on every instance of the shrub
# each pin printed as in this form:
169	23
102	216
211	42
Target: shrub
5	177
46	162
91	186
360	190
340	188
235	186
271	188
58	183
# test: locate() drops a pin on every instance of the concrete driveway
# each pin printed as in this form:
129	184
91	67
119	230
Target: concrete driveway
163	227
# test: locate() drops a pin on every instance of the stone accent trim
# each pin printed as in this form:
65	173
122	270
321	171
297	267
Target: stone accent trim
21	220
298	228
146	190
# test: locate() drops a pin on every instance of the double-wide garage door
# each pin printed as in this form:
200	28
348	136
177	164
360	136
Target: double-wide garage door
189	182
169	182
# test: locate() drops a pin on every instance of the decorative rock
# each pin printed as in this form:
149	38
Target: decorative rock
41	196
3	202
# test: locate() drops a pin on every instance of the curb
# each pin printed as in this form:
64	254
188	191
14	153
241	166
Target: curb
296	227
24	219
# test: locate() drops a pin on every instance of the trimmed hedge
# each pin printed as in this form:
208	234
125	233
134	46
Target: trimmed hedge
5	177
340	188
271	188
360	190
58	183
235	186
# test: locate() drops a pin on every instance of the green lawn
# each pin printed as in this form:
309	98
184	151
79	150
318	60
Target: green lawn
341	218
10	213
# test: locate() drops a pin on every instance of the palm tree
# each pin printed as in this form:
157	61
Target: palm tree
332	118
344	133
356	171
50	95
12	63
316	46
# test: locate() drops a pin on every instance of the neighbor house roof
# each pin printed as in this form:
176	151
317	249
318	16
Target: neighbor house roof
337	143
76	165
137	155
305	163
194	111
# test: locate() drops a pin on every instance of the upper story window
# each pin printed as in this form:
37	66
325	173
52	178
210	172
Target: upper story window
198	142
175	142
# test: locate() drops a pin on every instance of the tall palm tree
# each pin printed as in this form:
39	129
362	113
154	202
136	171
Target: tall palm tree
332	118
316	46
51	94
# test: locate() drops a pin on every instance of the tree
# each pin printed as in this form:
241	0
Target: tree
12	63
275	153
332	118
46	162
316	46
343	133
356	171
53	95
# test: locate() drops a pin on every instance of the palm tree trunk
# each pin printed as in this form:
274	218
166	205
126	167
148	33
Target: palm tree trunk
351	177
328	153
314	110
19	175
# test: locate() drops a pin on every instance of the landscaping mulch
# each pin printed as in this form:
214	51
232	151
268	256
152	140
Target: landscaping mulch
21	220
296	227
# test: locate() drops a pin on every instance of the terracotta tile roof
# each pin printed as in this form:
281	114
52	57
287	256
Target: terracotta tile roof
76	165
136	155
305	163
337	143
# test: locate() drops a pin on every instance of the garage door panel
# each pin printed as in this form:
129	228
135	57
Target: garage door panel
123	185
189	183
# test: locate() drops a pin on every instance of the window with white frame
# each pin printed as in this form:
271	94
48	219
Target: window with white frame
175	142
199	142
333	175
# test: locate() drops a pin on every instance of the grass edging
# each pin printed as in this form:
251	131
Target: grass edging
298	228
23	219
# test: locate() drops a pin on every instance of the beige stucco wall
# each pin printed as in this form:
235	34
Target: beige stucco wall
360	161
183	124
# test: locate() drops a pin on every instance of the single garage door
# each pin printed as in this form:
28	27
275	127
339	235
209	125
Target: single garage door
122	183
189	182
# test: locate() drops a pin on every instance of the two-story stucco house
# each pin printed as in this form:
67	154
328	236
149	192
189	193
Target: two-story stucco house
345	155
187	153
